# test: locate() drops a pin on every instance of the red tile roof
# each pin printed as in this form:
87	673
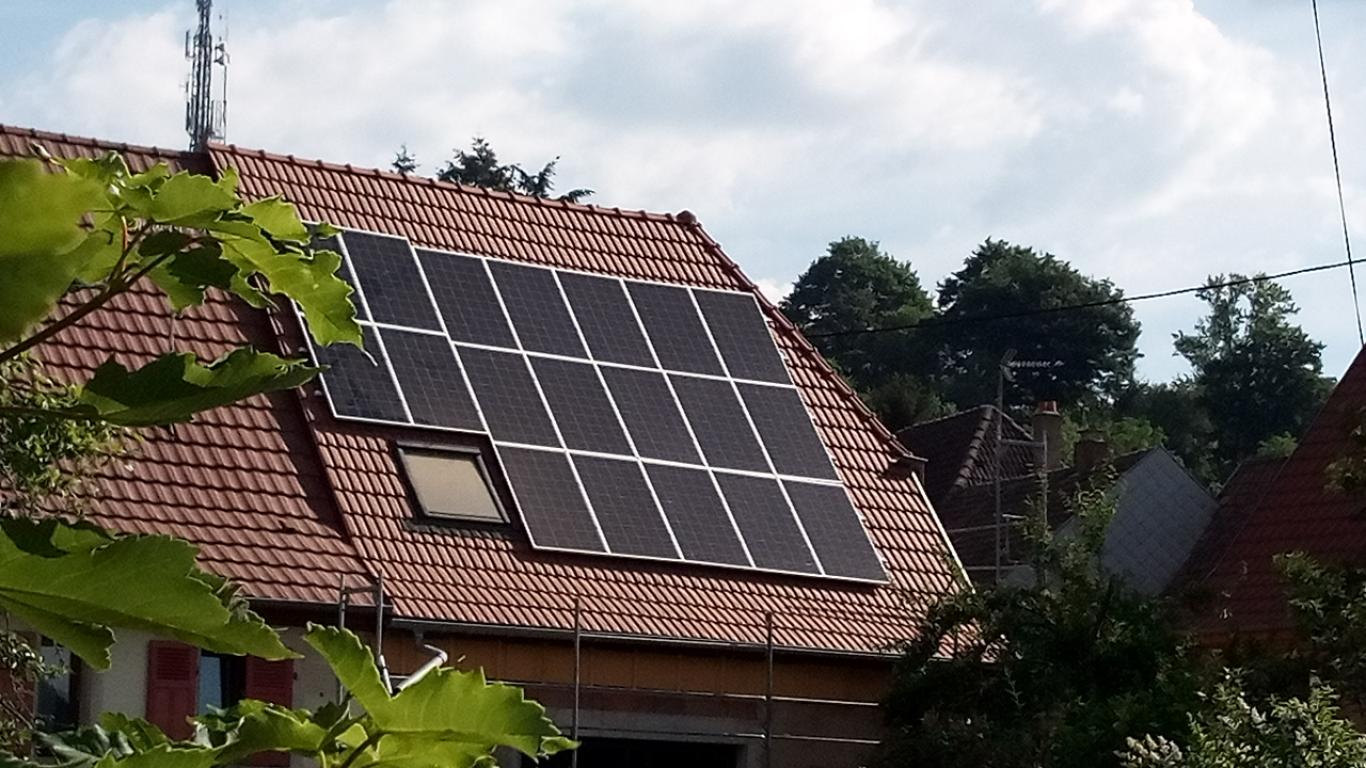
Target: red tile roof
495	578
1275	508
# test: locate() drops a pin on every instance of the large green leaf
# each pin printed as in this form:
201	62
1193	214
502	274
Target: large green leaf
40	217
74	582
269	728
186	274
402	750
448	712
449	704
165	756
279	218
173	388
310	279
351	662
190	199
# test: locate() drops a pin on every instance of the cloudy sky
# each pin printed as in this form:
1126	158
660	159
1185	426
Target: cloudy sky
1150	141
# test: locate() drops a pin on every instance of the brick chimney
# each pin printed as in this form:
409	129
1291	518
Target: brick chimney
1091	451
1047	426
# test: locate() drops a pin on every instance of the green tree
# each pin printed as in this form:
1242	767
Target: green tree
404	161
1092	349
73	237
1257	374
1177	411
1057	671
857	286
1231	731
480	167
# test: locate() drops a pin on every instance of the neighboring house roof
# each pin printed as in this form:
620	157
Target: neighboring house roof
1240	495
959	449
337	492
1278	508
969	513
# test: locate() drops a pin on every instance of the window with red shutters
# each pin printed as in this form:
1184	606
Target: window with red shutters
172	686
271	681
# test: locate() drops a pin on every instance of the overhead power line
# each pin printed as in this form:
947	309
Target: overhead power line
1337	173
937	322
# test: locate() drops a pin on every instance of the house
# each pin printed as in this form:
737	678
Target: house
586	455
1160	513
1274	506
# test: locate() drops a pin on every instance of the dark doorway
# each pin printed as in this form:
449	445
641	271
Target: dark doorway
634	753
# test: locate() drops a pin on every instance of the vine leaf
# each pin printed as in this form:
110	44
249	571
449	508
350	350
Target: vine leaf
173	388
76	583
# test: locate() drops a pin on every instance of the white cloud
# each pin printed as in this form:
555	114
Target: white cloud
1144	140
775	289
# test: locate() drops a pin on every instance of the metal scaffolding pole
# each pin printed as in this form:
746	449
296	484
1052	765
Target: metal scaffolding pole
768	690
578	655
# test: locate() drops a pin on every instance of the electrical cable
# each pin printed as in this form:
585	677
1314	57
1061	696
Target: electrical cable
1337	173
935	322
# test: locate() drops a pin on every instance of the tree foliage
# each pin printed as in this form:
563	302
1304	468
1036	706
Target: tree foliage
857	286
1092	349
1257	374
1328	604
1231	731
1055	672
481	167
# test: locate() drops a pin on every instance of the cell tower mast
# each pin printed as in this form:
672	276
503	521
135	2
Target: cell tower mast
206	118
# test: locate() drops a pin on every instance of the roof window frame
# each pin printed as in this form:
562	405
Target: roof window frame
476	455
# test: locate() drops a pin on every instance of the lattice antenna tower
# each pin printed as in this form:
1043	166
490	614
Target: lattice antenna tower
206	118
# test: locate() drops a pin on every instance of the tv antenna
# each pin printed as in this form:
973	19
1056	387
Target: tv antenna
206	118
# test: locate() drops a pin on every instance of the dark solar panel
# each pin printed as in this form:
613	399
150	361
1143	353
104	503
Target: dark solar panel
606	421
464	295
390	280
430	378
675	329
835	531
741	334
650	413
625	510
360	386
548	498
537	309
787	431
766	522
580	406
605	317
696	514
512	407
719	423
343	271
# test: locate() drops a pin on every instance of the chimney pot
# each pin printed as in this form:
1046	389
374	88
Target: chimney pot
1046	426
1091	451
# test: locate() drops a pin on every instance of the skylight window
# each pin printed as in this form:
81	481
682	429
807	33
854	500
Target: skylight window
451	485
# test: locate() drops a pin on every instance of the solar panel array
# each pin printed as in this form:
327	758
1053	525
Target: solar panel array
630	418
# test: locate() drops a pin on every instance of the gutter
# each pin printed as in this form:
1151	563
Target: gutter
567	635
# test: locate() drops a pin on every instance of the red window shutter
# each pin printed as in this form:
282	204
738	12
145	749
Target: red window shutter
172	686
270	681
